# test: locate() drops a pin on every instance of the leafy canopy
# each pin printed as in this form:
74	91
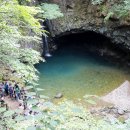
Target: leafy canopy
18	26
20	33
64	116
51	11
117	9
121	10
97	2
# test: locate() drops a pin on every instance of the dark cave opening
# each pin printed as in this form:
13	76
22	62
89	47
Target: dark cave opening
95	43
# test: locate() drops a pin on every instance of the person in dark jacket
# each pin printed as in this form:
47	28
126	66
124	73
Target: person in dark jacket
17	92
6	88
11	91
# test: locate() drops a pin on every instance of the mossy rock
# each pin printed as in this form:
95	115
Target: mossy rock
121	119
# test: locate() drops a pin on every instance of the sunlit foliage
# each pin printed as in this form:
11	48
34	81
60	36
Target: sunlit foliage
119	10
65	116
18	27
51	11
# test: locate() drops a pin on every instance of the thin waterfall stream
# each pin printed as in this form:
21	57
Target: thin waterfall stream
46	26
47	52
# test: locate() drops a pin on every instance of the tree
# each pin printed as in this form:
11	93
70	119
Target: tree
117	9
18	25
51	11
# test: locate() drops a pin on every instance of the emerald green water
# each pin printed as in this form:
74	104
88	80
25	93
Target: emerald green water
75	72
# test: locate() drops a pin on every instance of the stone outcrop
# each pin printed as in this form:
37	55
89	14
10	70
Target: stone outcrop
120	97
58	95
81	15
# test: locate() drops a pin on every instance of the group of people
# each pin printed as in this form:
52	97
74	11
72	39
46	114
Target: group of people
14	91
11	89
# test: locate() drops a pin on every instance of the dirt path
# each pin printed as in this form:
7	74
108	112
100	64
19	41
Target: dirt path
12	104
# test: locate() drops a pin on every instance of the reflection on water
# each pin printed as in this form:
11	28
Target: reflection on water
75	72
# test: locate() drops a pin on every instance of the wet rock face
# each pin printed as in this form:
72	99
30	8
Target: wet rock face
81	15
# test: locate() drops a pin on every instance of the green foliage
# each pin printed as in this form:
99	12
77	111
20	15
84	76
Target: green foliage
97	2
116	10
120	10
108	16
24	2
16	22
51	11
20	27
65	116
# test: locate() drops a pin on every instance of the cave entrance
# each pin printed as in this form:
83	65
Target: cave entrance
83	38
92	42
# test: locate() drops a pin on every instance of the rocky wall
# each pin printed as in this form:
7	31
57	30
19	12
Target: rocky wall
81	15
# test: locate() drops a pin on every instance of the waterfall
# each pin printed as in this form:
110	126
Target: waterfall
46	47
49	25
45	39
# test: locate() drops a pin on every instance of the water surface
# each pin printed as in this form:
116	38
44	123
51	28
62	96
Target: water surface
76	72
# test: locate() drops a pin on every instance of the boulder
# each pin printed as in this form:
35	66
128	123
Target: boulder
121	112
59	95
114	111
120	97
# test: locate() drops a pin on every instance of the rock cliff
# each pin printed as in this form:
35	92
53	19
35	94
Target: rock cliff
81	15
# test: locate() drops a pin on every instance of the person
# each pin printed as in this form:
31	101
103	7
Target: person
17	92
25	102
6	88
2	90
22	92
11	90
26	112
20	106
7	107
2	102
14	83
